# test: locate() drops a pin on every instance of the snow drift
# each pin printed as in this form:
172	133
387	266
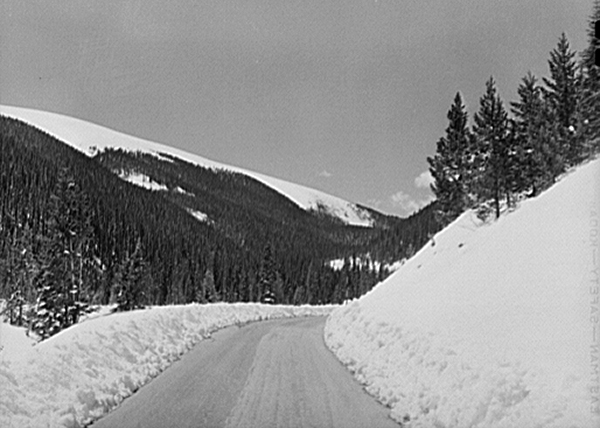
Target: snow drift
84	371
489	325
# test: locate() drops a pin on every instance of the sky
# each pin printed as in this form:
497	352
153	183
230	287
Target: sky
345	96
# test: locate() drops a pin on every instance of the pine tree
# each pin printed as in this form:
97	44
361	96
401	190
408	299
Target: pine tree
562	93
200	294
130	281
267	276
208	285
529	130
309	285
250	286
60	300
22	269
589	107
538	158
299	296
278	295
365	280
512	163
344	282
48	315
451	167
492	150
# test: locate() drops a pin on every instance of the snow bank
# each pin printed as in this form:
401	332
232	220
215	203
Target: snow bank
490	325
81	373
13	342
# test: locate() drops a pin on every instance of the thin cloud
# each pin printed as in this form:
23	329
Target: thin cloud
424	180
407	203
375	203
325	174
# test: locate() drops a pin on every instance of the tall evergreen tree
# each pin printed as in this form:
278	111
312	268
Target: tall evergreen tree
563	92
278	295
534	150
19	269
46	318
208	285
60	298
492	150
589	108
451	167
267	275
131	278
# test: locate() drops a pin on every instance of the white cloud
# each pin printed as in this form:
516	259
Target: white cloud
408	203
424	180
325	174
400	197
375	203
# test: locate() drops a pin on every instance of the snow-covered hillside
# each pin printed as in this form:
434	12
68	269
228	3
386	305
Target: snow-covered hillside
87	137
84	371
489	325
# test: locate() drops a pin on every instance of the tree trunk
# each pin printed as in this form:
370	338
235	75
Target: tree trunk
497	202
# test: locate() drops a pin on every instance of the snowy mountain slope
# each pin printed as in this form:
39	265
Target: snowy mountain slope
489	325
87	137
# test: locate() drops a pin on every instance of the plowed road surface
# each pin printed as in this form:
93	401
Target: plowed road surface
267	374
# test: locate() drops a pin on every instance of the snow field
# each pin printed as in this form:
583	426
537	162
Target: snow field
83	372
490	325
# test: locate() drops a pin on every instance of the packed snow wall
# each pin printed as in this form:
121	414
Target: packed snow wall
84	371
491	324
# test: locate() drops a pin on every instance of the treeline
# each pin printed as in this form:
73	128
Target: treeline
554	125
74	234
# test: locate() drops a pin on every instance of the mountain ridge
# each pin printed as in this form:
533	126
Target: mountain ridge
89	137
155	229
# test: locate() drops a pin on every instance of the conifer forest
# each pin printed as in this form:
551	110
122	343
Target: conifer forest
74	234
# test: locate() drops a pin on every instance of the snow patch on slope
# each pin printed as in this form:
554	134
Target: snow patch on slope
490	325
84	371
199	215
183	191
367	262
88	137
159	156
142	180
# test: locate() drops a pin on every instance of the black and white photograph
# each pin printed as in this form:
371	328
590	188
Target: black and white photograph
300	213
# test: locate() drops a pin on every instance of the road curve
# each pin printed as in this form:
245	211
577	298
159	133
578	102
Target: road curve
267	374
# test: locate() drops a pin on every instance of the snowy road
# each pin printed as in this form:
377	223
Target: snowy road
269	374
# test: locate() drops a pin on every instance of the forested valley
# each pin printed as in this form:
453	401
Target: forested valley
74	234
